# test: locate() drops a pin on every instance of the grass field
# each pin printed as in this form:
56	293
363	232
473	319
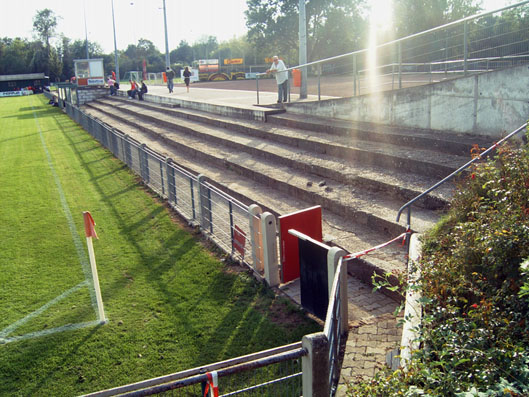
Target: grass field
171	303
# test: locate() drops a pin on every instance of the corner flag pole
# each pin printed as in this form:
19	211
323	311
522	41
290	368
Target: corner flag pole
90	232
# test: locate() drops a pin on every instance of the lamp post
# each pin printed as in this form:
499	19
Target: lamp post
303	48
116	60
85	31
167	61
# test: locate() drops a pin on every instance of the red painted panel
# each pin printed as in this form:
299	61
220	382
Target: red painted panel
307	221
239	240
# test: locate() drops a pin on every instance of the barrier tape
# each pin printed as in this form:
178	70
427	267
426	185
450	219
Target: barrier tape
367	251
213	382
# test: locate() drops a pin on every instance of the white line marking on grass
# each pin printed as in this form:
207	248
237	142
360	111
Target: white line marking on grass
50	331
6	331
82	258
71	224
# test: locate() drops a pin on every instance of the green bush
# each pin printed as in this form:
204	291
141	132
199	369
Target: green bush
474	337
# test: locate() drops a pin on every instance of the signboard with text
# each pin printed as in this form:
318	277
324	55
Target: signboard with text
234	61
89	72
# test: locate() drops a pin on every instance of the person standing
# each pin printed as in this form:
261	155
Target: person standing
110	83
279	69
169	73
187	76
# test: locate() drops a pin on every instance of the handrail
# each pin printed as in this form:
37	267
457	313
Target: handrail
230	363
409	203
412	36
397	41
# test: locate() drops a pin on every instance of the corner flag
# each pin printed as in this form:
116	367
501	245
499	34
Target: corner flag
89	225
90	232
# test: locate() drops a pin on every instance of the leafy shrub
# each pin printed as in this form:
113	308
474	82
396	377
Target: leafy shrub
474	336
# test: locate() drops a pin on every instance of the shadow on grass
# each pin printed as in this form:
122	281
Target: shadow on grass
17	137
29	114
242	324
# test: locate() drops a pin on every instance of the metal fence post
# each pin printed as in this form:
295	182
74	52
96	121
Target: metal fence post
315	365
204	200
333	261
161	177
399	58
192	198
254	212
128	152
257	87
230	208
171	183
354	74
319	82
465	47
144	163
271	267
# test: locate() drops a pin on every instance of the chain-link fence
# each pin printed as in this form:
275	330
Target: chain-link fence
225	220
238	230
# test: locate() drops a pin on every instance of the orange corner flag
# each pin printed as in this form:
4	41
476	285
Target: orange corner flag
89	224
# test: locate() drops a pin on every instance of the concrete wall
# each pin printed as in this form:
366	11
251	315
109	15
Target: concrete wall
90	93
243	112
482	104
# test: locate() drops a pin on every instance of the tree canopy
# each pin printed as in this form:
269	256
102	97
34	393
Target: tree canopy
333	27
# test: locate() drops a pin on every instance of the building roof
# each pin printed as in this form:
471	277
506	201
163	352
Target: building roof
29	76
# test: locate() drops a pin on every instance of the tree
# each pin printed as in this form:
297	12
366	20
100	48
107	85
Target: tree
333	27
205	47
15	56
413	16
44	23
65	53
183	54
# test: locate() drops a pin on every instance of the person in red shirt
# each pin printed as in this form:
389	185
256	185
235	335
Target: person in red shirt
133	89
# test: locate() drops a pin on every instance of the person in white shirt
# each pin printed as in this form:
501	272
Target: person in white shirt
279	69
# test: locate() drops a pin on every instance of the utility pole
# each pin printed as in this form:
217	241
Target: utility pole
116	59
86	31
167	61
303	48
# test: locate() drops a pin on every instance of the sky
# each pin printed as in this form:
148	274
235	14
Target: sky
189	20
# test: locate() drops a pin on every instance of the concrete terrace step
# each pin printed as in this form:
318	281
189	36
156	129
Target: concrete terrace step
337	231
362	149
274	169
380	167
440	141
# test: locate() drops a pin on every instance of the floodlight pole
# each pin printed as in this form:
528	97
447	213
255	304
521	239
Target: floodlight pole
167	61
85	31
303	48
116	59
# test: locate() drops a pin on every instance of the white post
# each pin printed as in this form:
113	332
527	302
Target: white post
254	212
89	228
413	308
95	277
333	266
315	365
271	267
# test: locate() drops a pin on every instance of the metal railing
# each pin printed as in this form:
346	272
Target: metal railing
478	157
227	222
333	329
478	43
273	372
222	218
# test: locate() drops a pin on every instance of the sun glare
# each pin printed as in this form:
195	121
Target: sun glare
381	14
380	20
